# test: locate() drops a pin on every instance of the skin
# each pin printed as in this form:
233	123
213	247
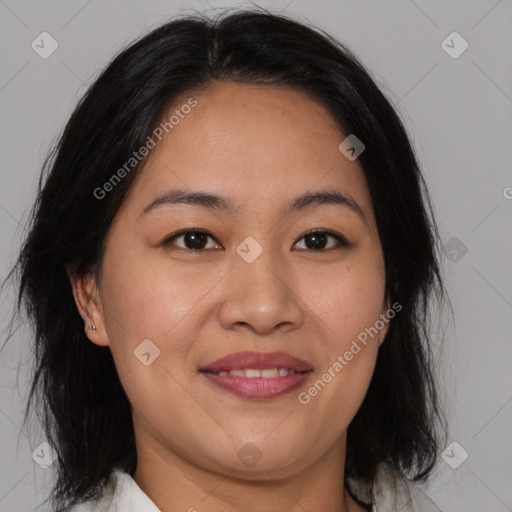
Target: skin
261	146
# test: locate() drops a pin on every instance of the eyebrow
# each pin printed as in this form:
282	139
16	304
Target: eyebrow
224	204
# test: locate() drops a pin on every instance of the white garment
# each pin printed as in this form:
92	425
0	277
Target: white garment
391	494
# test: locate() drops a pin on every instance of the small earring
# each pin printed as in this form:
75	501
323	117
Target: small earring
92	327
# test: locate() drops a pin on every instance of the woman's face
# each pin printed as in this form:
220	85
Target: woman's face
257	281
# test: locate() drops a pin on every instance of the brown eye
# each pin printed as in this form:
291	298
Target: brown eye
319	240
193	240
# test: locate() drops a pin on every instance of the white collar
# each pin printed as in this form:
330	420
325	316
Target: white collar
120	494
392	492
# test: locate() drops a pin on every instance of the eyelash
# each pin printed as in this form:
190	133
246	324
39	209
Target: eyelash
342	241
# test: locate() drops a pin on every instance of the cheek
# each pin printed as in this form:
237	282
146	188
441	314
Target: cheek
149	297
348	300
144	301
347	303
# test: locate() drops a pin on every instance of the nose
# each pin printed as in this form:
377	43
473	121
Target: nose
260	297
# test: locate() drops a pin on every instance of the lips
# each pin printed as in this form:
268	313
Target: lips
257	375
257	361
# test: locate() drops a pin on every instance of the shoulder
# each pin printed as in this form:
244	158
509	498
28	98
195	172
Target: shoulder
120	494
109	495
103	503
392	492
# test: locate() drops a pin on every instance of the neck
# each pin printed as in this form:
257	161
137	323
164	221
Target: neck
173	483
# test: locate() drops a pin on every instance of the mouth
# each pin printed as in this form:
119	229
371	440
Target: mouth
257	375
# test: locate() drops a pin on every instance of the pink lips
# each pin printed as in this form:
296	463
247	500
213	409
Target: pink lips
257	387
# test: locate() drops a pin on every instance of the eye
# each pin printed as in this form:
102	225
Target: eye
197	240
193	239
317	240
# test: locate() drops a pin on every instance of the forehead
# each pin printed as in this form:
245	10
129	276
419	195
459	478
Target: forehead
259	144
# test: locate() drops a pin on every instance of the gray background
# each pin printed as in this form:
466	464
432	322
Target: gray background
459	114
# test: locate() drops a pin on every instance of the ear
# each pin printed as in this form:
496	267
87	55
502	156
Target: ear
88	301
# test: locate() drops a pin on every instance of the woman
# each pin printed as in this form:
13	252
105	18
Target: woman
229	270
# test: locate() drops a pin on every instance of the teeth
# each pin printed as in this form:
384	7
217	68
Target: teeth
267	373
237	373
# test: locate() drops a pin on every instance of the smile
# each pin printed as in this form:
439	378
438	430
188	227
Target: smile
257	375
252	373
256	386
